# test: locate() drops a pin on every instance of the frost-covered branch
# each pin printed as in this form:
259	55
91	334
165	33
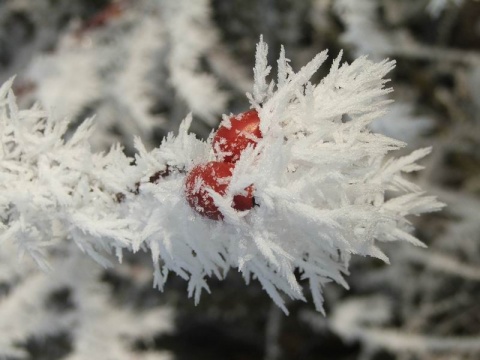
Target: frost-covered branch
318	175
352	321
71	301
190	36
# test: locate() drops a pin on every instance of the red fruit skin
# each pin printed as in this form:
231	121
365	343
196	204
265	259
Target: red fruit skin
244	130
216	176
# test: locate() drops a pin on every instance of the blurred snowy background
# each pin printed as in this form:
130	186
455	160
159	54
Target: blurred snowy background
141	66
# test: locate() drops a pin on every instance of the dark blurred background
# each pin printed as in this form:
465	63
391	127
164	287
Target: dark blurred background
142	66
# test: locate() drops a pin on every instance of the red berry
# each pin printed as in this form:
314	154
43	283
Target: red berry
214	175
231	140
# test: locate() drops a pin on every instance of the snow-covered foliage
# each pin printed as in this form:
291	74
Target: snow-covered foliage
73	303
191	37
320	179
430	316
138	65
117	59
111	76
362	29
25	33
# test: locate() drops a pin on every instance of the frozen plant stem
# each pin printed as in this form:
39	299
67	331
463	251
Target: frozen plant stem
319	186
446	264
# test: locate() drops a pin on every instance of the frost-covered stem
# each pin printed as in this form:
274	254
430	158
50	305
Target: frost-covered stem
192	36
446	264
428	310
398	341
350	321
272	332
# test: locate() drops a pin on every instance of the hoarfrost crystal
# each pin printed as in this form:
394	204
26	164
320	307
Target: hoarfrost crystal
323	186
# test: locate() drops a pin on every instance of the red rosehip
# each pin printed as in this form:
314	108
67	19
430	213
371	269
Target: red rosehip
231	140
214	175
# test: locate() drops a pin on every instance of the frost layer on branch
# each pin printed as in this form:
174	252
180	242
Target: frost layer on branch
320	178
191	36
145	62
53	188
114	69
75	303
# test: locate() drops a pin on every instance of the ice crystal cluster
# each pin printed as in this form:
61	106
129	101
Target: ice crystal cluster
134	69
71	305
325	185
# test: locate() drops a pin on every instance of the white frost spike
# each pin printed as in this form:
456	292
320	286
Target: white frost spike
260	73
319	176
284	69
